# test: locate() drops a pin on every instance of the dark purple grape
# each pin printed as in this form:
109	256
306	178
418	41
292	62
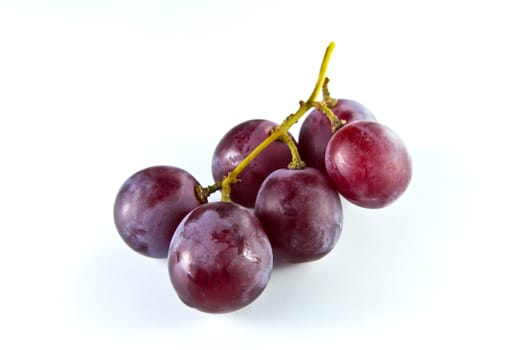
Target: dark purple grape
220	259
368	163
236	145
301	213
150	205
316	130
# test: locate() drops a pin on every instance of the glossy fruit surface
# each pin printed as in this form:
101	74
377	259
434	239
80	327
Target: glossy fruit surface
236	145
220	258
368	163
150	205
301	213
316	131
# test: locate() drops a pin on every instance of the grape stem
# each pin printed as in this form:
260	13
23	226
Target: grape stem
296	163
330	101
335	122
281	132
203	193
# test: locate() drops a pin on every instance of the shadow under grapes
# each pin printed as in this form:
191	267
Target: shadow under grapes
117	291
386	263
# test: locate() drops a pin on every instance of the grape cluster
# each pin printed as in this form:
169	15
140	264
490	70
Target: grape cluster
281	199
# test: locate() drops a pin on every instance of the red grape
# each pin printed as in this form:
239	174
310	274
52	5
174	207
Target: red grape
220	258
150	205
301	213
368	163
316	130
236	145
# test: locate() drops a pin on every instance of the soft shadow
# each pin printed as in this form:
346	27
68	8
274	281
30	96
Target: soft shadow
114	290
384	268
386	263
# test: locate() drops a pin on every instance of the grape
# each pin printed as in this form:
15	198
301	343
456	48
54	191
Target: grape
221	255
301	213
236	145
368	163
150	205
220	258
316	130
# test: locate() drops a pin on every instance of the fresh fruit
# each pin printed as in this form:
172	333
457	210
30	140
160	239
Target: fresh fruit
220	258
236	145
150	205
301	212
221	254
368	163
316	130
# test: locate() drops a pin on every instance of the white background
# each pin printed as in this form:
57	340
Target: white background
92	91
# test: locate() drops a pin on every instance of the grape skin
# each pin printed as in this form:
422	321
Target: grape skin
150	205
220	259
368	163
301	212
316	130
240	141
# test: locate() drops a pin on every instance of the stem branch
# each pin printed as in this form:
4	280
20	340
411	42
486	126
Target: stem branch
297	162
280	131
203	193
335	122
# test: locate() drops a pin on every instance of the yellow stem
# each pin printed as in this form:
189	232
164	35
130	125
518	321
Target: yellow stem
326	92
335	122
297	162
281	130
330	101
203	193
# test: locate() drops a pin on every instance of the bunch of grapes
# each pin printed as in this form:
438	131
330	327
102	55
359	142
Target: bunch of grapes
281	199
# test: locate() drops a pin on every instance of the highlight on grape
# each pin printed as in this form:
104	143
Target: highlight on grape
280	198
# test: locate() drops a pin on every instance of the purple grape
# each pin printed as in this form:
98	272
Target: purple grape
220	259
150	205
316	130
236	145
368	163
301	213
